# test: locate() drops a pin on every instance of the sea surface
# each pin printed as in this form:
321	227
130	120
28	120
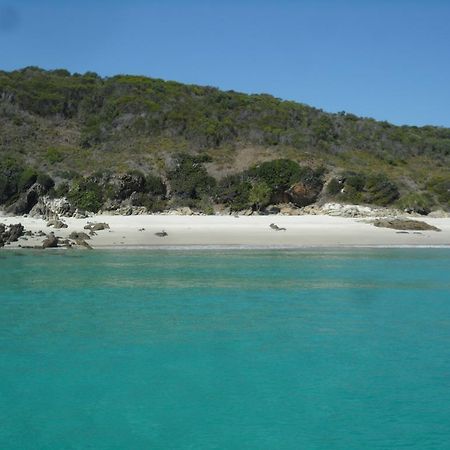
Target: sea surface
236	349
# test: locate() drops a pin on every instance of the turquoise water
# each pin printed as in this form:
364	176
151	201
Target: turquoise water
225	350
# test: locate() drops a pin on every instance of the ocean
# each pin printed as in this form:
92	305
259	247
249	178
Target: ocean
225	349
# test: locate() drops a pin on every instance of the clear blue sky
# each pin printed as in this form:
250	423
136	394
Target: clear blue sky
384	59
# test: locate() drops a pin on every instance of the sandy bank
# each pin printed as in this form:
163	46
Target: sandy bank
327	231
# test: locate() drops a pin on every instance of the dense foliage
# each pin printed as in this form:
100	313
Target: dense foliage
68	126
205	116
16	179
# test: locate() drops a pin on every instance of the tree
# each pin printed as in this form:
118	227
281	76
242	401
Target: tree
260	195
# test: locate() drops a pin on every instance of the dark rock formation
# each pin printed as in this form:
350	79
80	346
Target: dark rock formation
56	223
276	227
50	242
27	200
128	184
96	226
12	234
404	224
75	235
422	210
83	243
302	194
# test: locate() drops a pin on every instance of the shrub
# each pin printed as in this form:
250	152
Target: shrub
86	194
418	202
154	185
61	190
259	195
190	178
10	172
380	190
334	187
27	178
45	181
441	187
54	155
234	191
279	174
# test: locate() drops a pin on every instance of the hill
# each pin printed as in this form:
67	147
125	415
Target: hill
105	142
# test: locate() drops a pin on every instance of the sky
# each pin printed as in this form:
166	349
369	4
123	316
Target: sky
384	59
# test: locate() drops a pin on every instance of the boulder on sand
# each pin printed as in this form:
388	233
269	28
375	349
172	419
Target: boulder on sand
51	241
12	234
56	223
96	226
75	235
276	227
404	224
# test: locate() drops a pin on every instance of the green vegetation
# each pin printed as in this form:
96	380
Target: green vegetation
190	179
70	126
16	179
86	194
374	189
54	155
259	195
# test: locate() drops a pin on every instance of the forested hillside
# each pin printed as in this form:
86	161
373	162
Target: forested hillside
105	141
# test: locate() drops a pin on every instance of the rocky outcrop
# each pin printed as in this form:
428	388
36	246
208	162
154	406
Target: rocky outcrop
289	210
50	242
127	184
341	210
76	235
10	234
303	194
51	208
27	200
83	243
441	214
405	225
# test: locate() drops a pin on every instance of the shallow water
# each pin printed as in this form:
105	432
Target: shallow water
280	349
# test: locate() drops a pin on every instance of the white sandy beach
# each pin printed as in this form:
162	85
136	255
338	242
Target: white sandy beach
253	231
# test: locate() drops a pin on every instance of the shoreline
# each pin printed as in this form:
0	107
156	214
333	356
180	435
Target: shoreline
242	232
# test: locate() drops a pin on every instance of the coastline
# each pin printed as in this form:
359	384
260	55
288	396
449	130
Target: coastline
231	232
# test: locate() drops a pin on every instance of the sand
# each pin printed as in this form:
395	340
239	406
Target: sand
230	231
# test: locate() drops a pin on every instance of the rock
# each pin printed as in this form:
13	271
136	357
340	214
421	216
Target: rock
12	234
421	210
128	184
56	223
65	243
76	235
342	210
15	231
302	194
272	209
276	227
51	208
404	224
79	214
27	200
50	242
96	226
290	210
24	204
439	214
83	243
